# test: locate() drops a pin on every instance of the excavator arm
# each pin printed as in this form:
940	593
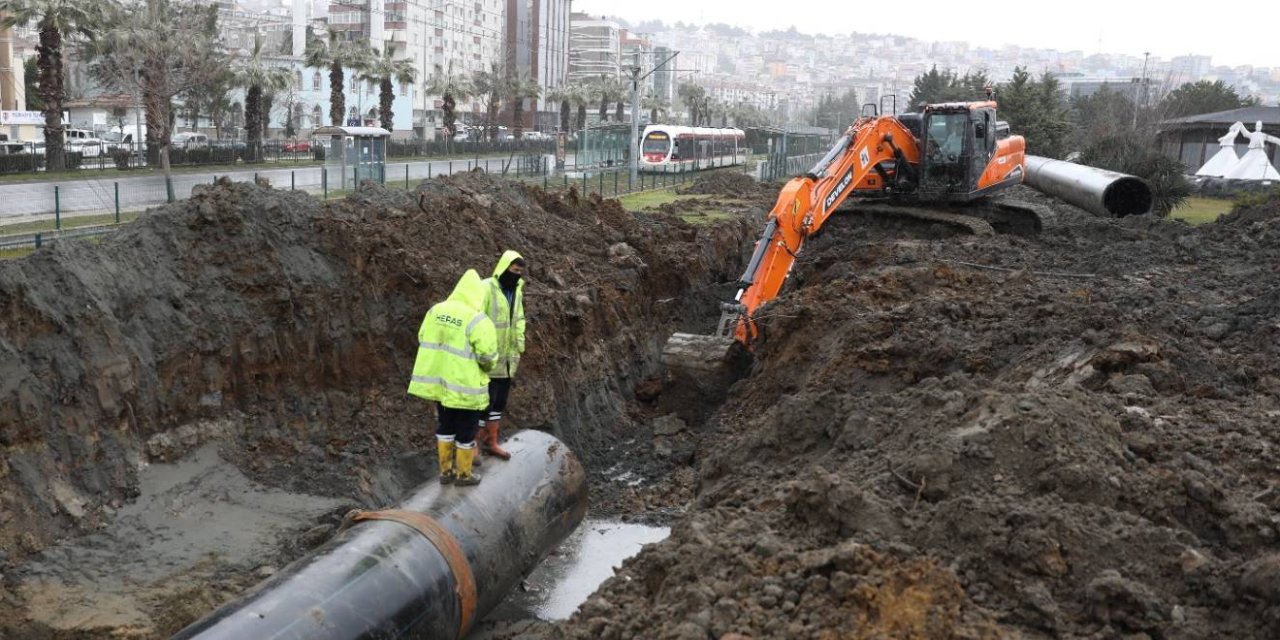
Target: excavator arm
860	161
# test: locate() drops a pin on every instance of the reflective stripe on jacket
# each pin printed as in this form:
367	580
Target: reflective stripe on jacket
508	319
457	345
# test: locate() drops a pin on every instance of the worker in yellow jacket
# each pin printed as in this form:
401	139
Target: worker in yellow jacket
504	303
457	347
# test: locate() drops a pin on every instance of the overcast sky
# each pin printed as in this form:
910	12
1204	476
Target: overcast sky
1233	33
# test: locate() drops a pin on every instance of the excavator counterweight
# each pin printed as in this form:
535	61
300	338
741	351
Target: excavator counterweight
947	153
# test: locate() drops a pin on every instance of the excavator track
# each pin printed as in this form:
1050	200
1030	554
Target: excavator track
974	225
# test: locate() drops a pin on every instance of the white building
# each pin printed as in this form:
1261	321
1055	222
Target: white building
595	48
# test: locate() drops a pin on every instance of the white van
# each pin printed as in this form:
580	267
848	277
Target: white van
84	141
188	140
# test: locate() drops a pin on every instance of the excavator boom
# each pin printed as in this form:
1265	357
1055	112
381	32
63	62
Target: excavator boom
877	155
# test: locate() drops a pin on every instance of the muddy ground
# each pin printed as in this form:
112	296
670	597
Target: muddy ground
941	436
276	333
1072	435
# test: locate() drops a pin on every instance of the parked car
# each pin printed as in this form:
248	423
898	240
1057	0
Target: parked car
189	140
85	142
114	140
296	146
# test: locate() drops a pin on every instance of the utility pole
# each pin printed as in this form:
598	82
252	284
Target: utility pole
635	120
137	119
635	111
1143	88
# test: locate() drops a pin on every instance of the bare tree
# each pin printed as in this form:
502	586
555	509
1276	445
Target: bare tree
160	49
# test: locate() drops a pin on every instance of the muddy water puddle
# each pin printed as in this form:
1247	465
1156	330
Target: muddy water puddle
577	568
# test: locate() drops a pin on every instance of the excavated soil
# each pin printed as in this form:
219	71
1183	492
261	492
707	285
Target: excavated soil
195	401
728	183
1065	436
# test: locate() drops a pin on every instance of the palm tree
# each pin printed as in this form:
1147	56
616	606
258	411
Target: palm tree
560	96
56	20
489	87
580	95
336	54
607	90
656	105
520	86
387	70
692	96
257	78
451	88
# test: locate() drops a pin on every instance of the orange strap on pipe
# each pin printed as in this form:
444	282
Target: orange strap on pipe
448	546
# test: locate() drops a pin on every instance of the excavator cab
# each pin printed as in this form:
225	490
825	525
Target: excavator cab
958	142
965	153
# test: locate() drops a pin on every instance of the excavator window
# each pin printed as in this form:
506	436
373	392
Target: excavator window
946	136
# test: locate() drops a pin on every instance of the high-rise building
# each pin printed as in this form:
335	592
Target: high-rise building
664	83
1189	68
594	48
537	44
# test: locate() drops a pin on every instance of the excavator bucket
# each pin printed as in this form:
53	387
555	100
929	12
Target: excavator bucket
696	352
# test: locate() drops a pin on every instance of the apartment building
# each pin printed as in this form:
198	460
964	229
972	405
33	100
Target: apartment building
537	44
595	48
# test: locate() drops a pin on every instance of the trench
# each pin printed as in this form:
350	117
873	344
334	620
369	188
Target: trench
220	489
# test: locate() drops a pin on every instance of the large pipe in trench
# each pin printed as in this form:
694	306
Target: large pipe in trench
440	560
1098	191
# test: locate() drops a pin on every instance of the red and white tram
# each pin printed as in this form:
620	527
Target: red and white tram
675	149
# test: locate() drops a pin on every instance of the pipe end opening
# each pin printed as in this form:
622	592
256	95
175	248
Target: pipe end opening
1128	196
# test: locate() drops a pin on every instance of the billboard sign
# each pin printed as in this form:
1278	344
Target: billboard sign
15	118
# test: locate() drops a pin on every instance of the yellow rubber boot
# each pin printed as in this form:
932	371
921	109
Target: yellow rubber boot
466	477
445	450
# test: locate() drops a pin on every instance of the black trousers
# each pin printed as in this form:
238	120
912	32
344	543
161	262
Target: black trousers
499	389
461	424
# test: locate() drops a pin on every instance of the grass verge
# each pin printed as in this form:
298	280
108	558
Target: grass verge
41	226
1201	210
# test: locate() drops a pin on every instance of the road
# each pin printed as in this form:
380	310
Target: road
36	200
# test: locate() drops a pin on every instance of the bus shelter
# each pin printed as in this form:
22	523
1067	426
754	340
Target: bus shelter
354	154
607	145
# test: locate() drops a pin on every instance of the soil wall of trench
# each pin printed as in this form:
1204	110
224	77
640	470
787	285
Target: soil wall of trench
282	330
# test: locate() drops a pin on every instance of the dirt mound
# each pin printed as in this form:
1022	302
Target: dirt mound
724	183
1075	430
282	329
1264	212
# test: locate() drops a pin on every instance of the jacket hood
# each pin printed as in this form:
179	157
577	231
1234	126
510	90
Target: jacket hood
505	261
469	291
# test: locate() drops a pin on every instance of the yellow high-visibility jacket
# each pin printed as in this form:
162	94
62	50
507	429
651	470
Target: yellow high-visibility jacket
508	319
457	346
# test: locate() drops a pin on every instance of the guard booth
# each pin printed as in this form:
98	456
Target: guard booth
354	154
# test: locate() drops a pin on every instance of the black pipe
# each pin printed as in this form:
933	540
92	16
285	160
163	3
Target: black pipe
386	580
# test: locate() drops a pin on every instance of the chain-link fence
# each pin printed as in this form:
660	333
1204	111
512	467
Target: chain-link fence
48	212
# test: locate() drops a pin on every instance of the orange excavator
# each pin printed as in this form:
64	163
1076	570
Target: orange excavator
952	152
